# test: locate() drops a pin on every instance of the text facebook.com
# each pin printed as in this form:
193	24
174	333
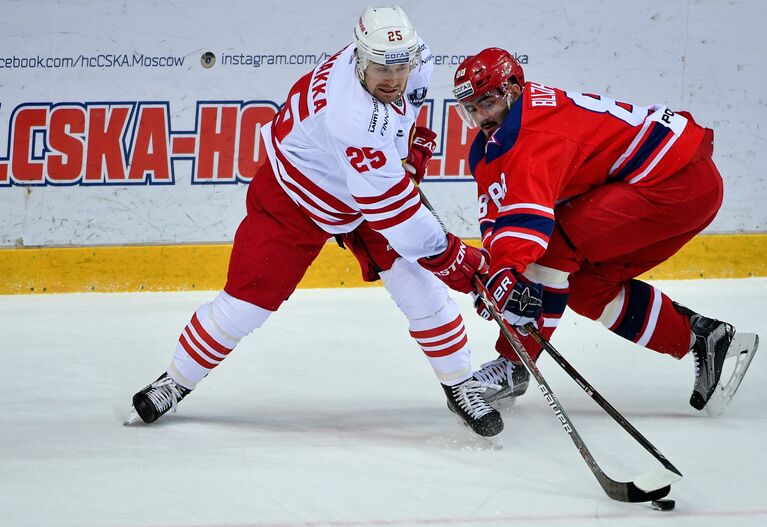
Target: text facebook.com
140	60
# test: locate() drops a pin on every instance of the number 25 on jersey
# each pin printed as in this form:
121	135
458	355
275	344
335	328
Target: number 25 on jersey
365	158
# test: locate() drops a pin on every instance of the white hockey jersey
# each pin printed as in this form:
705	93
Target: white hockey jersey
337	152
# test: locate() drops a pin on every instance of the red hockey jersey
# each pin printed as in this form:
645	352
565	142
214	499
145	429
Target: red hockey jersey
555	145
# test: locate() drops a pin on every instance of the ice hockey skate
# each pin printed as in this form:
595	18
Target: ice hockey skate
465	401
156	399
512	378
715	342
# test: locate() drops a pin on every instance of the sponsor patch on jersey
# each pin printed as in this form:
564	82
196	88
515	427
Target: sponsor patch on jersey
463	90
374	117
396	57
385	123
417	96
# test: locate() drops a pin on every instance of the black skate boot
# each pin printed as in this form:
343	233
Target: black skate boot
465	401
715	341
156	399
512	377
712	340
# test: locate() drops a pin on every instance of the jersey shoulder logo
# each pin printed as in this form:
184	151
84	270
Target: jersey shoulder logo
417	96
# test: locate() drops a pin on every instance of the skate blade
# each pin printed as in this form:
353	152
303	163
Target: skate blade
743	348
491	394
132	417
494	442
504	404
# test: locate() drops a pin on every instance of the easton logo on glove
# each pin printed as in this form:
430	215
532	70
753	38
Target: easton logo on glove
422	146
458	261
457	264
426	142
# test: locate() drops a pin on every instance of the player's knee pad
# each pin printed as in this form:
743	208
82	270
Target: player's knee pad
546	276
612	309
416	291
234	318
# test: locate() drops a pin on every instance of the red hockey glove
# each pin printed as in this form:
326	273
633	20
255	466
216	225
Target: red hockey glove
518	299
457	264
421	149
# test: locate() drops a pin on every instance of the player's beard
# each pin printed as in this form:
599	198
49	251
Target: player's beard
389	93
489	126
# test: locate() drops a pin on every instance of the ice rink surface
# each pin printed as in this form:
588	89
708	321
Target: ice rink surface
331	416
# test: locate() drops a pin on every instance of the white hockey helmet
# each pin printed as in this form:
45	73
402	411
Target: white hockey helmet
385	35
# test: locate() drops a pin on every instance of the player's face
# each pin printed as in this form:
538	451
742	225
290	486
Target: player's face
386	83
488	111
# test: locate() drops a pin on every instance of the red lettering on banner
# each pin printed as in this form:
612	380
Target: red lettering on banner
104	159
434	168
150	149
183	145
65	137
458	139
89	143
217	141
24	169
251	149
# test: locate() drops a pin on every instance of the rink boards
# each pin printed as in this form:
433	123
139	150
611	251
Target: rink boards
203	267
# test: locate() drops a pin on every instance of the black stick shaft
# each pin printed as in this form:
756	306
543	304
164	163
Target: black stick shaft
601	401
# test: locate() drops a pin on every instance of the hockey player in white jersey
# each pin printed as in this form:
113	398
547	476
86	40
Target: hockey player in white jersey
343	156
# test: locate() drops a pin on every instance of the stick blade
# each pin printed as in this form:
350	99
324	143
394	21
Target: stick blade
656	485
637	495
629	493
656	479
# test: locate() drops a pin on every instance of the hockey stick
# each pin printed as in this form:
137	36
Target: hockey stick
646	487
601	401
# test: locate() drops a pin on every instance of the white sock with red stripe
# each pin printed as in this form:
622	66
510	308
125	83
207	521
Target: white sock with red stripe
442	337
435	320
214	330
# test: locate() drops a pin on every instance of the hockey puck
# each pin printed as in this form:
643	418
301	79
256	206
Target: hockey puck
663	505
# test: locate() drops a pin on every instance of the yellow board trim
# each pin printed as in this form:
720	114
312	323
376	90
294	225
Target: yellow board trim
203	267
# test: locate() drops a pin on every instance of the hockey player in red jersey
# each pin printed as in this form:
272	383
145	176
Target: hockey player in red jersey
341	154
578	195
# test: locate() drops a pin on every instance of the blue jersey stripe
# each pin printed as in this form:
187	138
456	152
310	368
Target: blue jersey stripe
503	139
654	139
554	302
506	136
476	152
638	299
533	222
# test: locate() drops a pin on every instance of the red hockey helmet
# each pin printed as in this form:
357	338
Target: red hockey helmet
490	72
